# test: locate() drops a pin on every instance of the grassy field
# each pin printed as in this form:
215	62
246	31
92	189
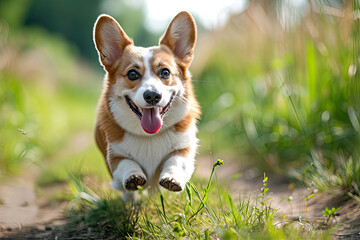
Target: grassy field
278	98
205	211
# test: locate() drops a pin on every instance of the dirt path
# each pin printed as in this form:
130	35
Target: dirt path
21	208
18	196
23	215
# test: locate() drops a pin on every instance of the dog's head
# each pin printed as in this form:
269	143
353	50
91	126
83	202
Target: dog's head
145	85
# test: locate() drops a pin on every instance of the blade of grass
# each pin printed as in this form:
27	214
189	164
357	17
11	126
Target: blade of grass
163	205
233	211
203	199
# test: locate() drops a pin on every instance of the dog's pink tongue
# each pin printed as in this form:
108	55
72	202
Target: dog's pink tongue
151	120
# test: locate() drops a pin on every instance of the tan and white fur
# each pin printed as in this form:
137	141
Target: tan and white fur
147	112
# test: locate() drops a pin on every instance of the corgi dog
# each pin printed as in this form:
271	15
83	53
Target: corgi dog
147	112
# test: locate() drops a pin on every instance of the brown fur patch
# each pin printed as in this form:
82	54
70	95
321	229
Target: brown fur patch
184	152
181	152
106	129
131	59
112	163
105	122
164	58
193	113
185	123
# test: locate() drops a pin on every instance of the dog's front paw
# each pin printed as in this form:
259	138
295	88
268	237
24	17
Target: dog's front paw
134	181
170	184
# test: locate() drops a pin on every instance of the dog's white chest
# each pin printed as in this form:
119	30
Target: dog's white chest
150	151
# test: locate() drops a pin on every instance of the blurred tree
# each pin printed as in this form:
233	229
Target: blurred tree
13	12
131	17
73	19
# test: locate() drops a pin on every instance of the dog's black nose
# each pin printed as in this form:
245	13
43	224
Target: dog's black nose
152	97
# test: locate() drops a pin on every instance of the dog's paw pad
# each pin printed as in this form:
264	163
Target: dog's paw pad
134	181
170	184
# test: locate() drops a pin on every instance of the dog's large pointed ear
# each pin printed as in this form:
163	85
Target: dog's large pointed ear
110	40
180	36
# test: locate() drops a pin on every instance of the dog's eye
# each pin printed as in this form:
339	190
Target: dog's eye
164	73
133	75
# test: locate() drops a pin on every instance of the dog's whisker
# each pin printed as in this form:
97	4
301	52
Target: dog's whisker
182	99
118	99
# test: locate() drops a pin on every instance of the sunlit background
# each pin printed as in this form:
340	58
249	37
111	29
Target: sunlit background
278	81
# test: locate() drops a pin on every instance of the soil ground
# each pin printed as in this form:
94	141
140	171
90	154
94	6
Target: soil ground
23	215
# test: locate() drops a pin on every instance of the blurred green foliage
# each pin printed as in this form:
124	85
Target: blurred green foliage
74	21
47	105
272	95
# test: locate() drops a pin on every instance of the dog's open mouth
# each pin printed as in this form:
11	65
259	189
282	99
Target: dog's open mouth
150	118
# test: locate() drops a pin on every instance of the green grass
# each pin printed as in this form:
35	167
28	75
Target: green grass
201	212
342	173
193	214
